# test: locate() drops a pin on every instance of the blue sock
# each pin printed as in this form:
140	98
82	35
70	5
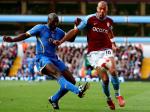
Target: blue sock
106	90
115	83
61	92
67	85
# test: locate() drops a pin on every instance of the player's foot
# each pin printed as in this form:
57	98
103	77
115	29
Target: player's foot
111	104
121	101
82	89
54	104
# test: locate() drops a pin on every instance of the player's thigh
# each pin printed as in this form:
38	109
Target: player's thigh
113	67
51	69
47	67
64	70
102	74
60	65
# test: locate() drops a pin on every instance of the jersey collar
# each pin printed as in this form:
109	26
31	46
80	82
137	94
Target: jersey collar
50	28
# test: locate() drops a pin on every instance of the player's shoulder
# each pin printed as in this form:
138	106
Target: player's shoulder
40	26
91	16
60	30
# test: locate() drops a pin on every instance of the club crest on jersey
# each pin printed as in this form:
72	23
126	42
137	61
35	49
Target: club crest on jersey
108	24
96	29
50	40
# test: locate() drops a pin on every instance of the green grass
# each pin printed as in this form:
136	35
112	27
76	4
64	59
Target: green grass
20	96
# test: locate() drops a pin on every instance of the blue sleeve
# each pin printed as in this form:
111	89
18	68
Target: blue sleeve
35	30
84	21
61	34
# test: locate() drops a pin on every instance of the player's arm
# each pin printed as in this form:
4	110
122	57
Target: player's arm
71	35
111	36
76	23
32	32
18	38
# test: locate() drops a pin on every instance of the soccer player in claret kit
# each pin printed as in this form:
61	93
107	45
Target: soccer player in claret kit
100	45
47	60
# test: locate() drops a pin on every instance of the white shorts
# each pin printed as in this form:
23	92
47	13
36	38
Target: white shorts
97	58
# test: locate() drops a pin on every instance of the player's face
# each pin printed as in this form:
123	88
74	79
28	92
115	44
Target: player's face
102	10
53	23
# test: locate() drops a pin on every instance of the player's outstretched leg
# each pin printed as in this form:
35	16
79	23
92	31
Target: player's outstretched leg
115	83
69	86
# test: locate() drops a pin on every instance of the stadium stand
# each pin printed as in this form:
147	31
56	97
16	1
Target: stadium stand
129	61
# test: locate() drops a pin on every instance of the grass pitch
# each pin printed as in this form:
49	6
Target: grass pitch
20	96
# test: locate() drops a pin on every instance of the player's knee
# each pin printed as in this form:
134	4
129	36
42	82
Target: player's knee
73	81
113	72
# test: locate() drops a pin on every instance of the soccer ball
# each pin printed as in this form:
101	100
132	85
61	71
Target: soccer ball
105	63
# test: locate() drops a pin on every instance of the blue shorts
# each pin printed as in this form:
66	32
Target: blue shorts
42	61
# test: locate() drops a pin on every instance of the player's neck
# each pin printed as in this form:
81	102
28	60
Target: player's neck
51	29
100	18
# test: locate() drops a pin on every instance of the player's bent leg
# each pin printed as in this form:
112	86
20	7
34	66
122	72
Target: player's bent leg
106	90
116	84
105	86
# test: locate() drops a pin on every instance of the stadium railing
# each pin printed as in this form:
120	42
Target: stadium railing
70	19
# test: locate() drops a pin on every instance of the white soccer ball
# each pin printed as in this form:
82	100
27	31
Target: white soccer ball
104	62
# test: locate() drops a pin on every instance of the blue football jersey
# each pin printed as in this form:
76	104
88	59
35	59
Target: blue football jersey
44	38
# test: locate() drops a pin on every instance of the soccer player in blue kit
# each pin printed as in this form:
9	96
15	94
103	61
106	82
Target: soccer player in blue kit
47	59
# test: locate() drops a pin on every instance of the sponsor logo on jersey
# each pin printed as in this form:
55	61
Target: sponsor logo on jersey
96	29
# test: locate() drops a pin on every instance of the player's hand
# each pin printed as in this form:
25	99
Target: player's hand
77	22
7	39
56	42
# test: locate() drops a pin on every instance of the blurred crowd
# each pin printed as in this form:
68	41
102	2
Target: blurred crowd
8	54
27	70
128	61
